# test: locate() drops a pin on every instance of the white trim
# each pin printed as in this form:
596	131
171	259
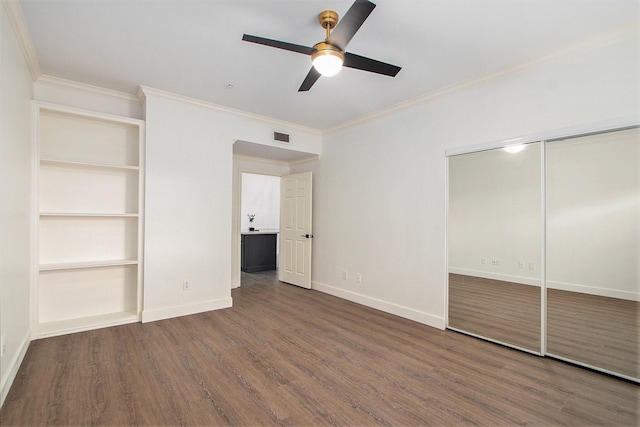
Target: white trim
543	247
14	13
34	219
305	160
88	113
595	368
395	309
496	276
598	41
10	374
71	326
572	131
60	82
261	160
185	310
592	290
145	91
527	350
446	242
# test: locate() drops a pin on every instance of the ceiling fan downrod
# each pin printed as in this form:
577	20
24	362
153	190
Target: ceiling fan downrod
328	20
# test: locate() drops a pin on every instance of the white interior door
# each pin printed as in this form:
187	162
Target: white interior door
295	229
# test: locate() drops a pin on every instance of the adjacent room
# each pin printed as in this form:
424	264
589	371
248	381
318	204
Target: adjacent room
343	212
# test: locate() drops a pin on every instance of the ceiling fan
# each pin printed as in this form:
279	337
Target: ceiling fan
329	56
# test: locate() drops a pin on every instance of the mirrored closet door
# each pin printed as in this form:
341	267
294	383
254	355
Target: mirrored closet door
582	304
494	240
593	250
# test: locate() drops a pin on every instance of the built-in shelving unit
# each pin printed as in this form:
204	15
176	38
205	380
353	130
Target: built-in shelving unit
89	221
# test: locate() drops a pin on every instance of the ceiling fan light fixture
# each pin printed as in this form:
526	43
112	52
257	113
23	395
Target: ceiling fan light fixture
327	59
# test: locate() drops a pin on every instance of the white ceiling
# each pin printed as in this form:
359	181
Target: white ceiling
194	47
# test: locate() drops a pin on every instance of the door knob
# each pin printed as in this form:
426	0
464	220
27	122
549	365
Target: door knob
308	236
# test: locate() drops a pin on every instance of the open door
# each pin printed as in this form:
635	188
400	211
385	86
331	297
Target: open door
295	230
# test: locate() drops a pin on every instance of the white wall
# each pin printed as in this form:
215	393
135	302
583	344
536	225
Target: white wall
260	197
15	208
189	207
379	189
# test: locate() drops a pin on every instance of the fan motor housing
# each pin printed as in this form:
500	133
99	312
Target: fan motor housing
328	19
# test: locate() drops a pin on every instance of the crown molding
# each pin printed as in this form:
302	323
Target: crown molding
14	13
243	157
305	160
598	41
70	84
144	91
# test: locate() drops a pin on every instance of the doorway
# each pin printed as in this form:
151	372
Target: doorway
259	224
257	159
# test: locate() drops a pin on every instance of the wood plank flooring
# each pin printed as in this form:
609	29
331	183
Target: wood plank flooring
503	311
598	331
290	356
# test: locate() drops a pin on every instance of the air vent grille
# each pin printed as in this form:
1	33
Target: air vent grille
282	137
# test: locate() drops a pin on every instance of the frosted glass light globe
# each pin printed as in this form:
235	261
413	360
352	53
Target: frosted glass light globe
326	59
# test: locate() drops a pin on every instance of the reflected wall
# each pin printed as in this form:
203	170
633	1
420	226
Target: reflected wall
593	250
494	240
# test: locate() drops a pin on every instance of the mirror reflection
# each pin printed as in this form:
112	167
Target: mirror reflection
494	241
593	250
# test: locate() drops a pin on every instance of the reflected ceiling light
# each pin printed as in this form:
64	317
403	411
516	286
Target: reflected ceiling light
514	148
327	59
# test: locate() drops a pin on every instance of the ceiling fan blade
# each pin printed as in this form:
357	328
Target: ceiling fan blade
276	43
350	23
311	78
367	64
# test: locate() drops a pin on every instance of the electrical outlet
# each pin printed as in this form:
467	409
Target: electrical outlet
494	262
483	261
498	263
532	266
359	278
345	275
520	265
186	285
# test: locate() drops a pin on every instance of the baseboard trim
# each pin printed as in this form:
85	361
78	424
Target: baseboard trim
391	308
185	310
14	365
562	286
592	290
496	276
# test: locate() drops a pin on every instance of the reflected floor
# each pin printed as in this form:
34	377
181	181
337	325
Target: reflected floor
502	311
598	331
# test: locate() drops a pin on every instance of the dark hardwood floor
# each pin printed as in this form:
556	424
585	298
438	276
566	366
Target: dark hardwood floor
502	311
595	330
286	355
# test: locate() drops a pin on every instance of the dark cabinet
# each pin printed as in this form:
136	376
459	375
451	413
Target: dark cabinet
258	252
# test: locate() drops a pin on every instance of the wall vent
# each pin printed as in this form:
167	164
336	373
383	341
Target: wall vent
282	137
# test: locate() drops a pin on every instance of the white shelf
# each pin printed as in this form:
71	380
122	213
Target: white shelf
89	200
93	214
62	162
60	327
87	264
